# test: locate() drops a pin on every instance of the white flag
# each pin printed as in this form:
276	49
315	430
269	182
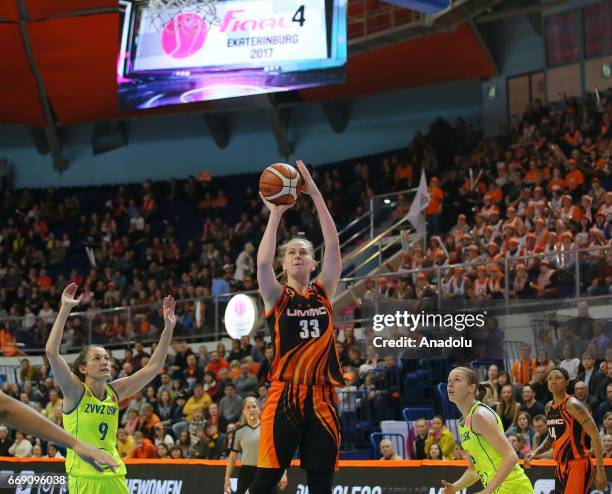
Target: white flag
416	215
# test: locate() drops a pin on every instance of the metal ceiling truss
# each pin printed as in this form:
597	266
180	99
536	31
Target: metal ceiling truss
51	130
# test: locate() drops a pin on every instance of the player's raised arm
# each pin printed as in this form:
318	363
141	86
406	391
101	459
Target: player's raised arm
127	386
269	287
332	259
584	418
69	383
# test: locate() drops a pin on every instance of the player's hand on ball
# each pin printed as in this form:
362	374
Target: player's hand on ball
448	488
309	185
601	481
275	208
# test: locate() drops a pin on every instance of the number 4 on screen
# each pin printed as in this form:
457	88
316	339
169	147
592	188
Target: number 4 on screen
299	16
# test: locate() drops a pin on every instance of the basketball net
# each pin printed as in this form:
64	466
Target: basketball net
165	13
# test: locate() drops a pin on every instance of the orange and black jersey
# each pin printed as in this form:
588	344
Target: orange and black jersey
570	440
304	339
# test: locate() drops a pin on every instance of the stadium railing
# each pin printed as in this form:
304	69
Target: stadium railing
145	321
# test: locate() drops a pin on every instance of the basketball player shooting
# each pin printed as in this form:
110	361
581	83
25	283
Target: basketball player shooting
301	409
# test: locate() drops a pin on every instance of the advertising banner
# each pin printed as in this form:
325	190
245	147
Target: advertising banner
192	476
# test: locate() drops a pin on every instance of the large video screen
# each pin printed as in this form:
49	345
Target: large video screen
248	47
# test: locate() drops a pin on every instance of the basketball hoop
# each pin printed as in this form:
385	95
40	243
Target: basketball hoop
165	13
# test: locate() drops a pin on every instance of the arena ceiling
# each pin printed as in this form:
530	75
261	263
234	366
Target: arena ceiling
60	62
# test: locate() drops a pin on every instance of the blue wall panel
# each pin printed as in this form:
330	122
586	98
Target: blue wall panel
178	146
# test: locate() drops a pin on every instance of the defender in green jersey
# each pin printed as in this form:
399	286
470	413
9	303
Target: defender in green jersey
91	404
492	459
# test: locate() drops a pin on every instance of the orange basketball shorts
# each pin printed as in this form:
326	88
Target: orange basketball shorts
299	415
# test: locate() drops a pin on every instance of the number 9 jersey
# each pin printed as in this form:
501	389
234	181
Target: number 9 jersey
304	339
94	422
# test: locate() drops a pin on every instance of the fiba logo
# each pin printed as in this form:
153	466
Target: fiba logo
184	35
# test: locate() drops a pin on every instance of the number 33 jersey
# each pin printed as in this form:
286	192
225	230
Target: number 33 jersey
304	338
94	422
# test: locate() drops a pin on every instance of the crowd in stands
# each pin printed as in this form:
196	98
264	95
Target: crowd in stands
541	188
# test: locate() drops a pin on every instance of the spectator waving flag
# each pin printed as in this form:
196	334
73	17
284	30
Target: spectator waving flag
416	215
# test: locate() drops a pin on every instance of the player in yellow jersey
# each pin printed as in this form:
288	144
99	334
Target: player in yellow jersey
91	403
492	460
28	420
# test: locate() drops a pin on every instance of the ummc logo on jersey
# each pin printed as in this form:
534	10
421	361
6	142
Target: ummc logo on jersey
555	422
100	409
313	312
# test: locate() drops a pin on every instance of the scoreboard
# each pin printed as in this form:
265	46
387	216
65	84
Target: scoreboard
250	47
248	34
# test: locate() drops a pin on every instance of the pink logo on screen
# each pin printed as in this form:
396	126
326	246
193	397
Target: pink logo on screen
184	35
240	308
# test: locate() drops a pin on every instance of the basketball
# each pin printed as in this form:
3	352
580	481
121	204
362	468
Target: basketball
280	184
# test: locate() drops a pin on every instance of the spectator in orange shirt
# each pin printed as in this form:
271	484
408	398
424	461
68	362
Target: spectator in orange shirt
574	178
573	136
216	363
147	420
403	176
556	179
144	447
569	212
8	347
42	228
523	369
44	281
532	176
434	210
496	193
